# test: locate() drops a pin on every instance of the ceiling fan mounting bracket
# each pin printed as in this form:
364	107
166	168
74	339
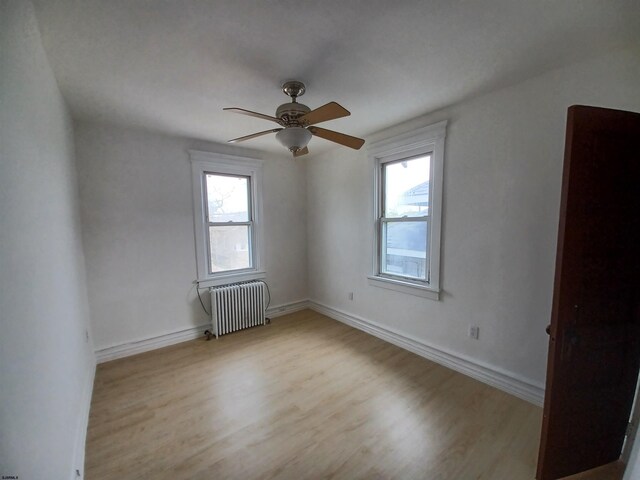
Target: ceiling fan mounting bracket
294	89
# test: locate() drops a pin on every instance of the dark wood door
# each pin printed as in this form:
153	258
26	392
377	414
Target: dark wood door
594	344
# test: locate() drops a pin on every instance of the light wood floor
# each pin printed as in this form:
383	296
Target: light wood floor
303	398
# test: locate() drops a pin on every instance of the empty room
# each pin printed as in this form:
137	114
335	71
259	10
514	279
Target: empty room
305	240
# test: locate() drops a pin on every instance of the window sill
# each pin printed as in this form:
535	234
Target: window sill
404	287
225	279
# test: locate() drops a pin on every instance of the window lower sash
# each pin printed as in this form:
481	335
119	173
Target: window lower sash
407	258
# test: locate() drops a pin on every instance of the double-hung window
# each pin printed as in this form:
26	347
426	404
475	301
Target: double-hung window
407	206
227	199
404	219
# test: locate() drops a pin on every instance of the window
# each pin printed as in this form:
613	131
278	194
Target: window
227	198
404	221
408	198
229	222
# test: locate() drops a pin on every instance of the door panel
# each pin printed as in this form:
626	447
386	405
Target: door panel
594	336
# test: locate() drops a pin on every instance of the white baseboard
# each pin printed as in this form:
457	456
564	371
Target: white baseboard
81	434
287	308
509	382
133	348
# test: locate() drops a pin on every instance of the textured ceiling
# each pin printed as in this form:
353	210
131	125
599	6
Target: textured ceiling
172	65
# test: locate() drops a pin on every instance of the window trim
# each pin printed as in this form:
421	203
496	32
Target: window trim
217	163
422	141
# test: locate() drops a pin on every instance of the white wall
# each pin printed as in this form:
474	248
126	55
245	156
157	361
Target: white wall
633	467
503	164
138	231
46	362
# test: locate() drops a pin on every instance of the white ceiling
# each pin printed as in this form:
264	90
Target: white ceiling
172	65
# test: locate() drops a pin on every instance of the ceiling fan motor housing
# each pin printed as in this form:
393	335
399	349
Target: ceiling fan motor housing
290	112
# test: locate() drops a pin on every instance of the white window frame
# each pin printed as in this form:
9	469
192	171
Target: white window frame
429	140
203	163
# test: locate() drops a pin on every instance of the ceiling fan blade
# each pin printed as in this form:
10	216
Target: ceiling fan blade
337	137
254	135
326	112
302	151
242	111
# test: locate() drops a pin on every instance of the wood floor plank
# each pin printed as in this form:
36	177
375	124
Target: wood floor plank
303	398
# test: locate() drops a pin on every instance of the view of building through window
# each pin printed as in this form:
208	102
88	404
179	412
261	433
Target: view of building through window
405	217
229	222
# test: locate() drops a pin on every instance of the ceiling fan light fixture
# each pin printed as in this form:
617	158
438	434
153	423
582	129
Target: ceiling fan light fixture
294	138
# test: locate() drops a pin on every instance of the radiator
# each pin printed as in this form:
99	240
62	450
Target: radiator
238	306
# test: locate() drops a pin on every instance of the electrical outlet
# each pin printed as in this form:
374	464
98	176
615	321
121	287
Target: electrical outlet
474	332
350	295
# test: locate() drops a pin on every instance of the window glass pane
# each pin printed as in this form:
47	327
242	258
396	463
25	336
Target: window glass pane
227	198
404	249
406	187
229	248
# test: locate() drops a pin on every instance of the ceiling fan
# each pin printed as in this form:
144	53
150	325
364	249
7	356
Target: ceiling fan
298	122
